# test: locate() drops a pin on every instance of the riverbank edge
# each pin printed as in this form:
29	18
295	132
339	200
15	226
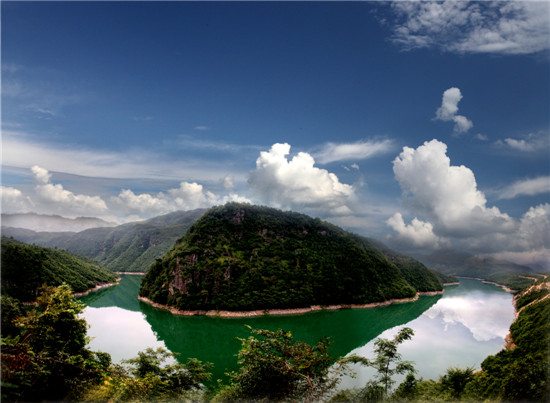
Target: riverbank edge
281	312
505	288
96	288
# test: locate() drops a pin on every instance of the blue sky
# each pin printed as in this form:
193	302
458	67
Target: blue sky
425	125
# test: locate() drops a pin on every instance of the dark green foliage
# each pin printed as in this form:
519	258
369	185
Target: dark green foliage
275	367
455	380
11	310
25	268
130	247
243	257
48	360
416	274
407	390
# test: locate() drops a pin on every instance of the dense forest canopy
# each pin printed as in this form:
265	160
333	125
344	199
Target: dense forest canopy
25	268
243	257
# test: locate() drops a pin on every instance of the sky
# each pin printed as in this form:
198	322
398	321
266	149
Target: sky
422	124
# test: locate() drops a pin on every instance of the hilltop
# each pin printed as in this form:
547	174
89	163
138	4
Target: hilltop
244	257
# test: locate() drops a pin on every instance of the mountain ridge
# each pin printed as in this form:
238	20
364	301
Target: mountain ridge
243	257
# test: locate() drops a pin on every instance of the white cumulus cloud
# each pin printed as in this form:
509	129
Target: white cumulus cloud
298	183
449	109
418	233
454	211
14	201
64	201
188	196
446	193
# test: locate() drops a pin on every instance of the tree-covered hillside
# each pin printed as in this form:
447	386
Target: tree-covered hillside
242	257
130	247
25	268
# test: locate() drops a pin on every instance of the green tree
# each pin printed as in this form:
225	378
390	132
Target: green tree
49	359
175	377
273	366
388	361
455	380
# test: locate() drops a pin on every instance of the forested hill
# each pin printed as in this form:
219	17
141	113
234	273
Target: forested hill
242	257
25	268
131	247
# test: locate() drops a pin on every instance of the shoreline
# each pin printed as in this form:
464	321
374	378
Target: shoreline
134	273
96	288
505	288
281	312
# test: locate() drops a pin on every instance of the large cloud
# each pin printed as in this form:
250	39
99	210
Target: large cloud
500	27
452	208
449	109
445	193
298	184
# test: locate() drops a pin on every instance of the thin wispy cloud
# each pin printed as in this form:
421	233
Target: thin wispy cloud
500	27
21	150
360	150
533	142
527	187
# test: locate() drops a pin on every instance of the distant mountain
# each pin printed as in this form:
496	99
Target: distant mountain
25	268
131	247
244	257
52	223
416	273
462	264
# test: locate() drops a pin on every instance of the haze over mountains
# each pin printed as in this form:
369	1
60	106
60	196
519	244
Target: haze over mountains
52	223
134	246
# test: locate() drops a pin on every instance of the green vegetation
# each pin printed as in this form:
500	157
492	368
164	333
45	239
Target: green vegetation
130	247
44	358
243	257
25	268
275	367
48	359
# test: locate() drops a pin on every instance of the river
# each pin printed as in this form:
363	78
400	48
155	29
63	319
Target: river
459	328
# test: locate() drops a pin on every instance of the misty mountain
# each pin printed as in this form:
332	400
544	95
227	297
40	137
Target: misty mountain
52	223
462	264
129	247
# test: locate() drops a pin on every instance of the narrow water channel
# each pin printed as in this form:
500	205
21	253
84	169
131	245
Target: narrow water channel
459	328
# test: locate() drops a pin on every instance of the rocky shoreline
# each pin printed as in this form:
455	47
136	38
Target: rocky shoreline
292	311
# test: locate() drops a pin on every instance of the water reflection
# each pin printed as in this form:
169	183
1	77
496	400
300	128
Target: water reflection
465	326
461	328
215	339
120	332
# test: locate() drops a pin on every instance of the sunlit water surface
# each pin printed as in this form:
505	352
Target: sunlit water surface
459	328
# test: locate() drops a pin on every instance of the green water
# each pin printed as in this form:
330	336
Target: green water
460	328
